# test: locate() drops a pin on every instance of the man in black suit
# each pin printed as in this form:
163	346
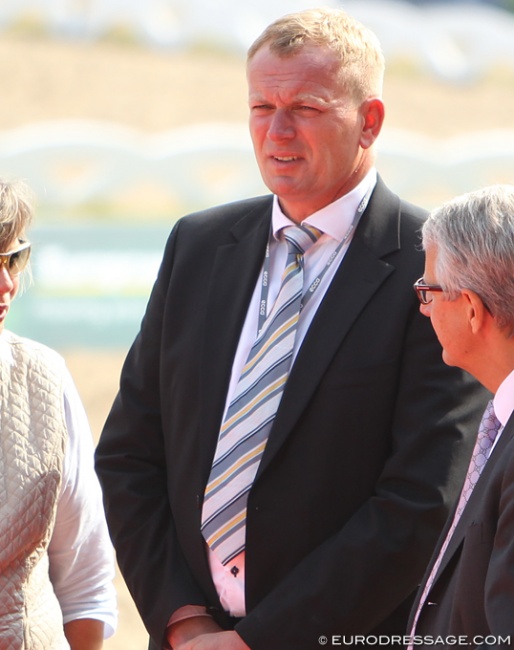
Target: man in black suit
360	454
468	293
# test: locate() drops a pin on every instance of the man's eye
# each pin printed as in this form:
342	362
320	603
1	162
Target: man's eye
307	109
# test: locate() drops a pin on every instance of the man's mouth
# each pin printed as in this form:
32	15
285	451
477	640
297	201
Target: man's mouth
285	158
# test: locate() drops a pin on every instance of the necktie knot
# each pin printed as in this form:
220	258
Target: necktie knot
300	238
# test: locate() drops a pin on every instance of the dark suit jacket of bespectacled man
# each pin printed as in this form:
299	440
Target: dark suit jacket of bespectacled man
469	244
373	432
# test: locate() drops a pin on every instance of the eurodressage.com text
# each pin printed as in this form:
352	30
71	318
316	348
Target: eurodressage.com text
416	641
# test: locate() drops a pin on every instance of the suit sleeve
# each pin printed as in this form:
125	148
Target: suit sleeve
130	462
352	582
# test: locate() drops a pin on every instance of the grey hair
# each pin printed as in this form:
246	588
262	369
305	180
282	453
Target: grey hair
16	211
358	48
473	236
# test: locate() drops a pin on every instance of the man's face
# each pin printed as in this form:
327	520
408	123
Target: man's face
307	131
449	319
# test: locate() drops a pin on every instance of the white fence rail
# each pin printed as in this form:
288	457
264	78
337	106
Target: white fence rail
70	163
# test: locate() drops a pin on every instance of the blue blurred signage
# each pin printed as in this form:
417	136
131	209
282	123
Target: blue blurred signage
91	284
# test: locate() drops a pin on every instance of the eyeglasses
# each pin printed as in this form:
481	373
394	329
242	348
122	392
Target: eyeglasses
16	261
423	290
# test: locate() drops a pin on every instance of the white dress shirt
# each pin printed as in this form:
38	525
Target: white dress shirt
334	221
81	556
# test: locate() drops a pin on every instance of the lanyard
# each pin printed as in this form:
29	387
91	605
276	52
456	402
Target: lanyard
263	306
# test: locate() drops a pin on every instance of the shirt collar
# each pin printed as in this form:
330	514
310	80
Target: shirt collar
504	399
334	219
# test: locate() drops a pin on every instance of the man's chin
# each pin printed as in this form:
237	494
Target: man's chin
449	361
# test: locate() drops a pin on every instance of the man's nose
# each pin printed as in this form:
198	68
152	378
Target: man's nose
425	309
281	125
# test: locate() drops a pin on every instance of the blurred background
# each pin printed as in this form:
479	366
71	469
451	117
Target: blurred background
124	115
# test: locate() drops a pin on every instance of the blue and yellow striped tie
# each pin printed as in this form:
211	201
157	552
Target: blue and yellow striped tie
245	429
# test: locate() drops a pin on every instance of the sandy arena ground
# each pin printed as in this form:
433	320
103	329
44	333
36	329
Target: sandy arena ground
155	91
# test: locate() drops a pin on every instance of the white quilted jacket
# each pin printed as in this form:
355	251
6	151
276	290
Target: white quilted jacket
32	445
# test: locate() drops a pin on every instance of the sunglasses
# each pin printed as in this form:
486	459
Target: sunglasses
16	261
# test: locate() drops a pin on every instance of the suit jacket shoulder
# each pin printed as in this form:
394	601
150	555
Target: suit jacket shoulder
228	214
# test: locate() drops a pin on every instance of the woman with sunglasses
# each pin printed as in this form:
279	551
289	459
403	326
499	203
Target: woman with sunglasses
56	561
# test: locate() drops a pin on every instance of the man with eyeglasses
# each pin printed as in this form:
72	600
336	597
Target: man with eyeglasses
287	440
468	294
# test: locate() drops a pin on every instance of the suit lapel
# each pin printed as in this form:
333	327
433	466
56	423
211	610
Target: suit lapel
360	275
232	282
469	513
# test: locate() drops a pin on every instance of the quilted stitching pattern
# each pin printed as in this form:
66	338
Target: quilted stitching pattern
32	444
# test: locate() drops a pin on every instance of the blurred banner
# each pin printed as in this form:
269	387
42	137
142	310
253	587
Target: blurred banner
90	284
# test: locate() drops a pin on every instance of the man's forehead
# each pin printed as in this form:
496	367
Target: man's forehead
300	76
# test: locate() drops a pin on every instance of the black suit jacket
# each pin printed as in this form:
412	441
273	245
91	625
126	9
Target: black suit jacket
367	451
473	593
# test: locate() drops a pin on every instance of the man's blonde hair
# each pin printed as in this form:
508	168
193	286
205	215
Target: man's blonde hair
357	47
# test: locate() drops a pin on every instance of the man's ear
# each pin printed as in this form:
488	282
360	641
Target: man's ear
372	111
476	311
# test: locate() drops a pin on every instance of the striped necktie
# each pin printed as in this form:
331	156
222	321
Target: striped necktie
250	415
488	430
